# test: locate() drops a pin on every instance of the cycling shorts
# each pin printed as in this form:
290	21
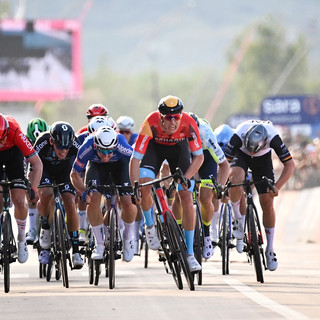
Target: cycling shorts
58	173
260	166
108	172
177	155
209	167
13	159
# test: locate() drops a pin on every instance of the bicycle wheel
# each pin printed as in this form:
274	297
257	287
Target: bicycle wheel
198	242
96	264
179	248
172	261
254	244
62	234
225	236
6	239
49	267
112	248
91	270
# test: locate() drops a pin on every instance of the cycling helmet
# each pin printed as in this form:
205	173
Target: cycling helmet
62	134
223	134
125	123
105	138
4	127
96	122
170	105
97	110
194	117
35	127
255	138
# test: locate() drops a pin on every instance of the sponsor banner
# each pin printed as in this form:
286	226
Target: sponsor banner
290	110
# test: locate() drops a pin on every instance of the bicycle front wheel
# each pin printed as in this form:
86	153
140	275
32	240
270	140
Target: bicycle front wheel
179	248
6	238
254	243
112	248
62	236
170	258
198	242
225	235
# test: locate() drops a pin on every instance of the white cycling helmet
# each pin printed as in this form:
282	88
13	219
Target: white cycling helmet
125	123
100	121
105	138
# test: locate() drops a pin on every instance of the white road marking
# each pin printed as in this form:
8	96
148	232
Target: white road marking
260	299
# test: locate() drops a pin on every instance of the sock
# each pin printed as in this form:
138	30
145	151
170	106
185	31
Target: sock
98	232
148	217
270	237
33	217
236	209
206	228
137	227
74	236
83	219
189	235
128	230
21	229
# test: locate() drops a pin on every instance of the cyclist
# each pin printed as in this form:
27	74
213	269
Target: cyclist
94	110
35	127
125	126
106	153
168	134
94	124
214	158
57	149
250	147
14	146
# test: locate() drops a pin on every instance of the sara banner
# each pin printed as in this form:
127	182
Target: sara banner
287	110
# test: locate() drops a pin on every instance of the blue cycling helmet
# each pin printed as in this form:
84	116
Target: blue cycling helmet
223	134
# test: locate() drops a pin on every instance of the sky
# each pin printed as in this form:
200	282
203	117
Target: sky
170	35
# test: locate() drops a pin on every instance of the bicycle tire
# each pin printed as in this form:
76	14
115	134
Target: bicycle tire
96	264
171	260
198	243
225	240
49	268
179	248
112	248
90	269
146	253
62	243
254	244
6	238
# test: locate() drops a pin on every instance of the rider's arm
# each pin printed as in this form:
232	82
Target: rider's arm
77	181
194	166
37	168
134	169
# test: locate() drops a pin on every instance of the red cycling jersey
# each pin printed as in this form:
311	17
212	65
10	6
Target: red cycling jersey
151	129
16	137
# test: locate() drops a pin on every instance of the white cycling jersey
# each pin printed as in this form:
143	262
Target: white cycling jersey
209	142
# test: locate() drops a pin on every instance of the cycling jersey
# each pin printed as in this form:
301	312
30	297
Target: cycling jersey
209	142
273	142
46	151
87	153
151	130
16	137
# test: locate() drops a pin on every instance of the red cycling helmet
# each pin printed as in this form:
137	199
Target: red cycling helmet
97	110
4	127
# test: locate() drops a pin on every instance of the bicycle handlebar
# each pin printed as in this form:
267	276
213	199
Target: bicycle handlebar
249	183
178	175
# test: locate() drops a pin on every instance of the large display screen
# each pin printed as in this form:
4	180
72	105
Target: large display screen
40	60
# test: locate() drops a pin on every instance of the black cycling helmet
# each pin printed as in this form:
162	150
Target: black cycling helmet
256	138
62	134
194	117
170	105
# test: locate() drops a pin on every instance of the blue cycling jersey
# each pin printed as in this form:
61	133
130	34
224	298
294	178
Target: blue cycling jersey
87	153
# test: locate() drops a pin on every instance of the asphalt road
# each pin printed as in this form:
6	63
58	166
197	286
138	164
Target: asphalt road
290	292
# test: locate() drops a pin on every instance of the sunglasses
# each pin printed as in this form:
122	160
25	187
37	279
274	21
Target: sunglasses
59	147
170	117
105	151
125	131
